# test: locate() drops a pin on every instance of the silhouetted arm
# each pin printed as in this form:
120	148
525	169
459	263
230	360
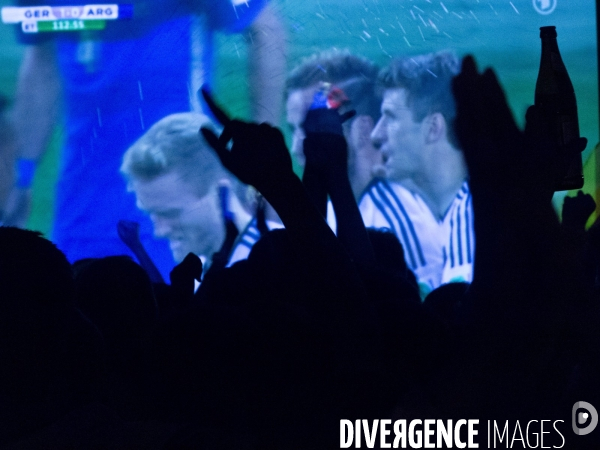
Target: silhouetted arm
511	177
260	158
575	213
326	153
314	183
220	258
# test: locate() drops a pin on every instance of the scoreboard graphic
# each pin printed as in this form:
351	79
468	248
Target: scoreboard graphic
39	19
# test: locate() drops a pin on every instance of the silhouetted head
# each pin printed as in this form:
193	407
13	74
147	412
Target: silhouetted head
115	293
33	269
50	354
446	300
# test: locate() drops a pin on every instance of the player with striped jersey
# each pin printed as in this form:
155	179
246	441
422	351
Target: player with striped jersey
426	200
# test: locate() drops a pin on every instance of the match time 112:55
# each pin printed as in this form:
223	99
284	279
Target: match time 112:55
69	25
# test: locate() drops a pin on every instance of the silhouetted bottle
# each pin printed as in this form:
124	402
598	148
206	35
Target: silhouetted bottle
555	96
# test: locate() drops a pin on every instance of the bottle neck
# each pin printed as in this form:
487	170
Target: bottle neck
549	45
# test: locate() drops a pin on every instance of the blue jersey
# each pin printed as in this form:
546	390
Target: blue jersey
116	83
436	250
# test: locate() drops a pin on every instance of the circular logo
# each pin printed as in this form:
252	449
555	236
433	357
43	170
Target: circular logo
580	418
545	7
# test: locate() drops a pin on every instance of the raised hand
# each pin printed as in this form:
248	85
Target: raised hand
498	154
325	147
258	154
326	120
489	137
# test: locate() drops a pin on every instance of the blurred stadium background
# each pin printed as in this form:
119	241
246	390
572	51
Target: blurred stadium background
500	33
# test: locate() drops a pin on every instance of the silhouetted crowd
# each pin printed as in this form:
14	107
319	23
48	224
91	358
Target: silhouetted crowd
313	327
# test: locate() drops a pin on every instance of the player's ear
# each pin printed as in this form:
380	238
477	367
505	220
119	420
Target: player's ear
360	130
435	127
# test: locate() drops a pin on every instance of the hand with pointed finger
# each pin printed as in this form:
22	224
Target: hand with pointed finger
258	155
